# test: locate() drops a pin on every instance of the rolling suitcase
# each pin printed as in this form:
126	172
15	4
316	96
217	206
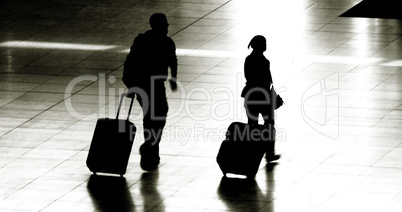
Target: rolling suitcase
243	148
111	144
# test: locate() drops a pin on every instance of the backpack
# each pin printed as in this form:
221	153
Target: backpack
128	71
130	77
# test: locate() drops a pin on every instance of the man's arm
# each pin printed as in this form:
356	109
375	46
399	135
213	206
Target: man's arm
173	69
173	78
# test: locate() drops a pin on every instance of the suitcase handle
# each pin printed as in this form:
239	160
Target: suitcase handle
130	91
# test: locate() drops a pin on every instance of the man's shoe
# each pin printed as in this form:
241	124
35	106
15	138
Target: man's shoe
149	158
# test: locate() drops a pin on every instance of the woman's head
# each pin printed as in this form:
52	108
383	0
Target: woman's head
258	43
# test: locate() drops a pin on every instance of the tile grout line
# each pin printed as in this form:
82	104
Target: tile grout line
200	18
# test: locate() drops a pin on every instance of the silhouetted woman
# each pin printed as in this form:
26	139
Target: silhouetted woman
256	93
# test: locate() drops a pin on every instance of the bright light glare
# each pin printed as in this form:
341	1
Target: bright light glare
202	53
205	53
198	52
55	45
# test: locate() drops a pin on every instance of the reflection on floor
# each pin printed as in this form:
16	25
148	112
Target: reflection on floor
338	132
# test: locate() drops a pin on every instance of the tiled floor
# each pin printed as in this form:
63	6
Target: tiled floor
339	132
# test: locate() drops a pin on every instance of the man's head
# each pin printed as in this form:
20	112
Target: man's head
159	22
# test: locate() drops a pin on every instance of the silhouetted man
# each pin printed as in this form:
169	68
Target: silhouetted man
151	54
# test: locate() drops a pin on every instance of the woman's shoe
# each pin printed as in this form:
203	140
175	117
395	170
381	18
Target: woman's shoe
272	157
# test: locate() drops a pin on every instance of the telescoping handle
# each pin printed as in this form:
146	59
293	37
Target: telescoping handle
121	101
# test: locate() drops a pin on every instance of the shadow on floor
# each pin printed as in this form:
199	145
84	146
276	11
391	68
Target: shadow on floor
149	192
245	194
110	193
389	9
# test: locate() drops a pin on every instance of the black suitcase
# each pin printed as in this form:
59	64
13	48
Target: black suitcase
243	149
111	144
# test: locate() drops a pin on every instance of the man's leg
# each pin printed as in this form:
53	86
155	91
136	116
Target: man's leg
150	148
154	121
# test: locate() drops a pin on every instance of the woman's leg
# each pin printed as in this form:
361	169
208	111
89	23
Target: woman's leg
252	113
269	122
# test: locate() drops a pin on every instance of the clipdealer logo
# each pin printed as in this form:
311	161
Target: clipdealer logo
220	103
320	106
